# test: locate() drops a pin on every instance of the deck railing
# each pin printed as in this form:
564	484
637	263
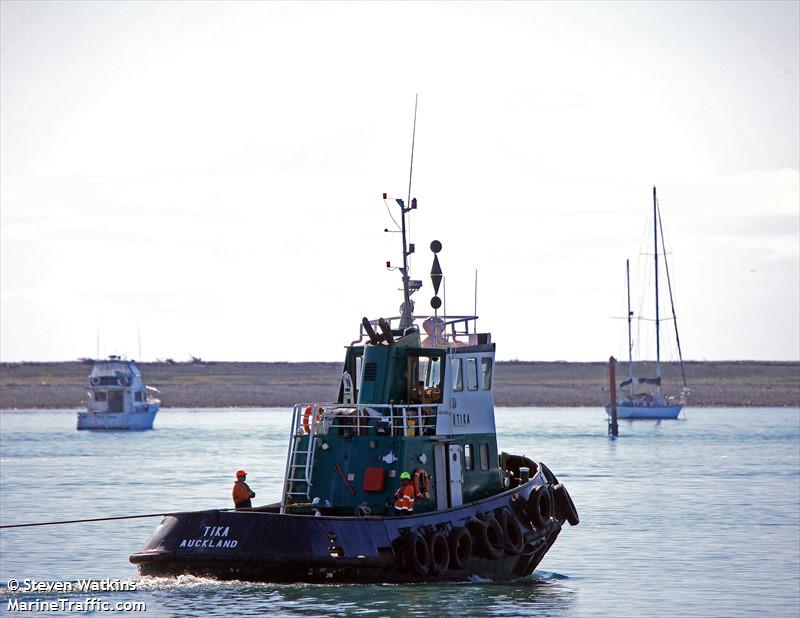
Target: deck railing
365	419
326	419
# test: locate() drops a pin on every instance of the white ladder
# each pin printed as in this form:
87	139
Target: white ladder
299	461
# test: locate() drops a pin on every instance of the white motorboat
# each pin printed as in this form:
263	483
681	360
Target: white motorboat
118	398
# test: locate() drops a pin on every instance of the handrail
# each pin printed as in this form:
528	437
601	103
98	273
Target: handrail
368	419
448	325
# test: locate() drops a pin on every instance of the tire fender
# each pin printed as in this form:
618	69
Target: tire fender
564	505
489	538
512	532
418	554
540	506
439	553
460	544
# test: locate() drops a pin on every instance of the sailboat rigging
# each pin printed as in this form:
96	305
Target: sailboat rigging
652	404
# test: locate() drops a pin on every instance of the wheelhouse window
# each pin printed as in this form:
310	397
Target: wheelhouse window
472	374
425	379
469	457
137	396
100	396
433	373
484	452
458	380
486	373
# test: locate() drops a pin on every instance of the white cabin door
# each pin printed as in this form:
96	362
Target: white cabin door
440	475
455	474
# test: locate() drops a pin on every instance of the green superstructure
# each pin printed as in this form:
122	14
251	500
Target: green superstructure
410	408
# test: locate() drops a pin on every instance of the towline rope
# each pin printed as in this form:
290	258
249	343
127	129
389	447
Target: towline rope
82	521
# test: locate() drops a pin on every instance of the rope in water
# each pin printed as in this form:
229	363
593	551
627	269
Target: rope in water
82	521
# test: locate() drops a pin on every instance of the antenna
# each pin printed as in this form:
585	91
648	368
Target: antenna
407	311
409	287
475	311
413	140
139	337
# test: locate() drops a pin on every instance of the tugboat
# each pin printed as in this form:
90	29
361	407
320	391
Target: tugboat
415	409
118	398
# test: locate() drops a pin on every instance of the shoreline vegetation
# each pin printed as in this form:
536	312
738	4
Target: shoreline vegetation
200	384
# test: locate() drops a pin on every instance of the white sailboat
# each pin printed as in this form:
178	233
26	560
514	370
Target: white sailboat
650	403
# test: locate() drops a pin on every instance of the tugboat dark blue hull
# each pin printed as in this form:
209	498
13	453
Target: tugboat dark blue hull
499	538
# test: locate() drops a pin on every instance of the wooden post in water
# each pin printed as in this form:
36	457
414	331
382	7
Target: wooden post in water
613	427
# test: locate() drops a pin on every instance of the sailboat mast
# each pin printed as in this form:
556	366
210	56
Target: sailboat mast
655	258
630	315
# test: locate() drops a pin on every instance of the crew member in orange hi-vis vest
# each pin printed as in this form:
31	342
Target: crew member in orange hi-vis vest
242	492
404	497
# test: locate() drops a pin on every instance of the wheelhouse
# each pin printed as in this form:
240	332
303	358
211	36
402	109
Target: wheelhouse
406	403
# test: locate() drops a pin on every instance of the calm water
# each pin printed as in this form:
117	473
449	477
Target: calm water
698	517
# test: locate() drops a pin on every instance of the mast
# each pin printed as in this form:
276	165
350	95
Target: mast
406	317
406	314
630	315
655	257
671	301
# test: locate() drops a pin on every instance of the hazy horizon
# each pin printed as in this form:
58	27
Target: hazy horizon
338	362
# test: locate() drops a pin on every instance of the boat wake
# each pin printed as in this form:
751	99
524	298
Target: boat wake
544	576
186	582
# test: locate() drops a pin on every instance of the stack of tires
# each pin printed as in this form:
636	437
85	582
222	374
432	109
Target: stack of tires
433	553
491	535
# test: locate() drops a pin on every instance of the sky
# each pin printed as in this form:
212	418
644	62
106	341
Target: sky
198	179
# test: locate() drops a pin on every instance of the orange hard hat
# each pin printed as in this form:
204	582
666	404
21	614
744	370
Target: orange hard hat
241	473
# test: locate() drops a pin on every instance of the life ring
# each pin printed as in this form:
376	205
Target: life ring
422	484
95	381
564	505
511	532
460	544
418	555
540	506
489	538
307	417
440	553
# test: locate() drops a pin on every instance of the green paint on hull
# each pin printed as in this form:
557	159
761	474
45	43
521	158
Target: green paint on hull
342	464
